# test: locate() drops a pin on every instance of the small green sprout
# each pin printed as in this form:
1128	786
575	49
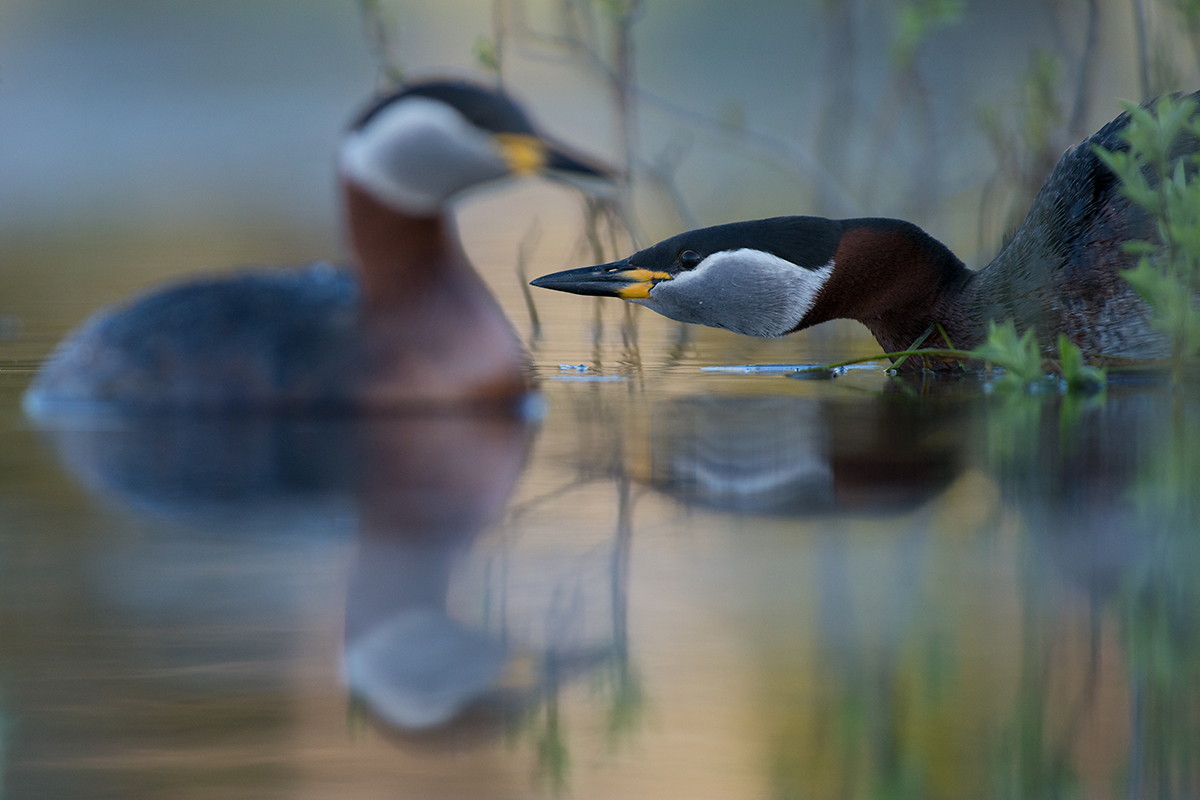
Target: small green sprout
1079	376
1021	360
1019	357
486	54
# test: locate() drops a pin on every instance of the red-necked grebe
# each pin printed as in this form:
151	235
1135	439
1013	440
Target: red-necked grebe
415	325
1060	273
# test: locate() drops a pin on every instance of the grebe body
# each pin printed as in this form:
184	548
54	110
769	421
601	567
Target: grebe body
413	325
1060	273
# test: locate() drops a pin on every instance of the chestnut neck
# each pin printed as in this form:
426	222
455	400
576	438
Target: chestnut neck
400	255
896	280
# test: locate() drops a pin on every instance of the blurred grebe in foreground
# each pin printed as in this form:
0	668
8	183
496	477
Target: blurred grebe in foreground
1059	274
416	326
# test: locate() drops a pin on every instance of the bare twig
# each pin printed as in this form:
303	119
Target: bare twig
499	35
518	510
528	244
837	116
375	28
900	95
661	173
1143	45
538	45
623	83
985	197
778	148
1054	19
622	547
1087	69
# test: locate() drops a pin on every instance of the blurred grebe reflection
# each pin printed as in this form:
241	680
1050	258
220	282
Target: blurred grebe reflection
419	490
426	492
1074	469
1092	478
789	455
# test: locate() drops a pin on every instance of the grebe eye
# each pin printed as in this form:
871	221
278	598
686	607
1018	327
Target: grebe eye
688	259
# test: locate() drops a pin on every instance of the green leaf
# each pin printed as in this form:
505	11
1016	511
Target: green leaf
1018	356
1141	248
1079	376
1155	177
485	53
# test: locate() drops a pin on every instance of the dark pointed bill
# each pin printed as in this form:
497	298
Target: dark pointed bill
527	154
618	279
561	160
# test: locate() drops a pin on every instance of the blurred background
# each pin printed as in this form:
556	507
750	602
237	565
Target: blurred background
146	139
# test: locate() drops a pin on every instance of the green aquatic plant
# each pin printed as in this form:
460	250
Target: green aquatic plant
1021	359
1086	385
1018	356
1157	178
1079	376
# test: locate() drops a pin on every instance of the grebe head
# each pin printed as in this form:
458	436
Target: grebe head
759	278
417	148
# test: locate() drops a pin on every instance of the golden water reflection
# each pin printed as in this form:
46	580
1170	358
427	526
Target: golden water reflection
671	587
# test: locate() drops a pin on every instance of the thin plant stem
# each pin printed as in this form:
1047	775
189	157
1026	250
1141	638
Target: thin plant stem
920	341
376	30
524	251
939	352
1087	69
945	336
1143	45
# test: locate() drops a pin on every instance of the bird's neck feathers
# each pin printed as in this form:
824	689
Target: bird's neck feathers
432	327
895	279
400	255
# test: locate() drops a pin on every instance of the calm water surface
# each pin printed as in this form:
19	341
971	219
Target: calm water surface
678	583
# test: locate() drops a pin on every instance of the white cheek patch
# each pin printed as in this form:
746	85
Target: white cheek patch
746	291
414	154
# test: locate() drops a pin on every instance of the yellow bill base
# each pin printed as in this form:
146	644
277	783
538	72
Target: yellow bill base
643	281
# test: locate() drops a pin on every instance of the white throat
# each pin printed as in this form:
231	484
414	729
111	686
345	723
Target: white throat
417	153
747	291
